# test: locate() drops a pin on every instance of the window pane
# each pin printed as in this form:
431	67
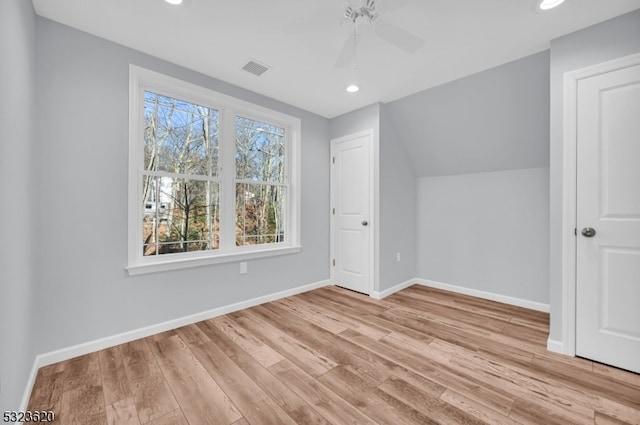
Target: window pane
180	215
180	137
260	151
260	214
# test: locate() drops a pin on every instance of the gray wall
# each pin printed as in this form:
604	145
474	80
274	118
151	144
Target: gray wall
479	147
81	187
397	207
486	231
606	41
497	119
17	117
367	118
396	196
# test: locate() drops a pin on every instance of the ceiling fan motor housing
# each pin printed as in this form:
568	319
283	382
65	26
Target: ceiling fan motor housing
366	10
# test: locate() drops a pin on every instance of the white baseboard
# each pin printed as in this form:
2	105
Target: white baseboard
532	305
555	346
399	287
111	341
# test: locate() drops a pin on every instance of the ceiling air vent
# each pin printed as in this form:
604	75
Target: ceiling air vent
255	68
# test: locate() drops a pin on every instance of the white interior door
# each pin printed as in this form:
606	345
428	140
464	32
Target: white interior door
351	201
608	218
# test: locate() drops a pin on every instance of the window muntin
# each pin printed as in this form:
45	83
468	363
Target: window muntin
208	184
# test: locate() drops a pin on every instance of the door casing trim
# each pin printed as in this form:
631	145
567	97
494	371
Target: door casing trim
569	188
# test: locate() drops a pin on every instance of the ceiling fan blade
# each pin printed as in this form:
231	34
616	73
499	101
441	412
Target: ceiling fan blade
345	58
400	38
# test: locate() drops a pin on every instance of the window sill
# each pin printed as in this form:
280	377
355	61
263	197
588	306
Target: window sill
169	264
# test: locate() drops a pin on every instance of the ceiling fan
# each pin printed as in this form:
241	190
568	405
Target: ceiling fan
365	15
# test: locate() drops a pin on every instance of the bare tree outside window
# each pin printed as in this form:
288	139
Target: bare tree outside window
260	182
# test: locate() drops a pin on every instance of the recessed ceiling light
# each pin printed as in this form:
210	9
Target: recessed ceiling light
352	88
550	4
176	2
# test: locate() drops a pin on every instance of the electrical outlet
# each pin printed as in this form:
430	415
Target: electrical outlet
243	267
397	256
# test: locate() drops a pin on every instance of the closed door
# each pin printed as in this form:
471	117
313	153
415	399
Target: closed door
351	240
608	218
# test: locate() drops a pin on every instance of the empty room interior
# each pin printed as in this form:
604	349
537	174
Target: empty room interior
328	212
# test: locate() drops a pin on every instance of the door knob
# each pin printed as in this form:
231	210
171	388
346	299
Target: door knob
588	232
365	223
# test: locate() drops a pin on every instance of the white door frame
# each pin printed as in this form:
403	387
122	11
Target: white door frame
372	211
569	188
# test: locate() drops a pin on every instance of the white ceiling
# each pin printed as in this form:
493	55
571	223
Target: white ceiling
300	40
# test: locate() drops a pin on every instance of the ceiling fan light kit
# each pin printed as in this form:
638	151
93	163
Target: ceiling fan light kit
550	4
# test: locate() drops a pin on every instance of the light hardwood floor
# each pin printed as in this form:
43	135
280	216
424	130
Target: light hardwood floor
331	356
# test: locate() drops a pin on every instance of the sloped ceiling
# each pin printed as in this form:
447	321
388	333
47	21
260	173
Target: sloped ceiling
300	40
497	119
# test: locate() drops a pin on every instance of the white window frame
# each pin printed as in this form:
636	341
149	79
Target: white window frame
141	79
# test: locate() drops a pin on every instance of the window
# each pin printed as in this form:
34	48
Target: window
211	178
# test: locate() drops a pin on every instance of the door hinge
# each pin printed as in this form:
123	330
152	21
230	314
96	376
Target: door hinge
334	211
333	160
334	262
575	231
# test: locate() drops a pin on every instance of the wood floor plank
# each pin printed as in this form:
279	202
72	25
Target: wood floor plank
573	406
83	398
602	419
460	302
352	300
175	417
433	329
595	383
437	371
432	310
332	356
260	351
434	408
305	357
330	405
123	412
252	402
531	413
151	393
114	376
350	317
191	384
300	411
475	409
363	362
359	392
48	388
310	315
612	373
